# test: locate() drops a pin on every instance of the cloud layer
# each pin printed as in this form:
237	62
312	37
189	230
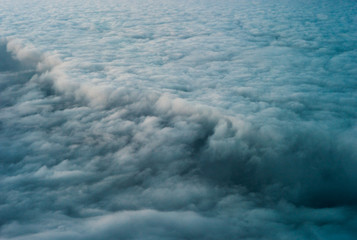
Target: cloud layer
130	120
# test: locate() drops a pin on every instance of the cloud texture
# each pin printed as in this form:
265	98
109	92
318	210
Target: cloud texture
167	120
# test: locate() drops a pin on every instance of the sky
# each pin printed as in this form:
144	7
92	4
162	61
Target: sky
193	119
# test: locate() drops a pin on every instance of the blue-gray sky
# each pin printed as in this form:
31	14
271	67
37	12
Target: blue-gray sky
178	119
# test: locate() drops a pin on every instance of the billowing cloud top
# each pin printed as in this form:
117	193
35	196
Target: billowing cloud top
178	120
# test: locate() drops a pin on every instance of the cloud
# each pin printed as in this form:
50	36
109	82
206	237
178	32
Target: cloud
149	128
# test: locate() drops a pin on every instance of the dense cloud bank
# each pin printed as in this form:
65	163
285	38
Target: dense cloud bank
201	120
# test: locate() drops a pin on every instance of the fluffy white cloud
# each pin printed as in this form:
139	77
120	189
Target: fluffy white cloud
167	120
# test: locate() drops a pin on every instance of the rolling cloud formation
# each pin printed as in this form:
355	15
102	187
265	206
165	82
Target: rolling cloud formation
178	120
